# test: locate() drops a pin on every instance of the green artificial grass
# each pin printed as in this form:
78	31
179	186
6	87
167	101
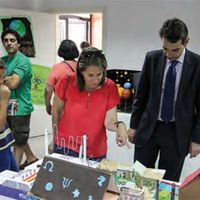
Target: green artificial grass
39	78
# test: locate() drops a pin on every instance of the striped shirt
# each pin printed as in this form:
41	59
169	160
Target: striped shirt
6	138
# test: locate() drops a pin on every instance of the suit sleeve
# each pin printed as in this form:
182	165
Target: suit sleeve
196	130
142	94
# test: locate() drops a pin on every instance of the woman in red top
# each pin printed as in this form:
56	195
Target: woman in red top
86	104
68	51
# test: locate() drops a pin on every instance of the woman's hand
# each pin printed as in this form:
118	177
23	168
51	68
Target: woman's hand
47	96
49	109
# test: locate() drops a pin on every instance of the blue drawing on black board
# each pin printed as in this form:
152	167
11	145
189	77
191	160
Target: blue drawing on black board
101	179
49	186
66	182
49	166
76	193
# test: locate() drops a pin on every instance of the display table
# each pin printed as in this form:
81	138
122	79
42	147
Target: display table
108	196
19	185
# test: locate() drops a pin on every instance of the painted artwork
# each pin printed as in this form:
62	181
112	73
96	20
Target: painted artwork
59	179
127	81
22	25
39	79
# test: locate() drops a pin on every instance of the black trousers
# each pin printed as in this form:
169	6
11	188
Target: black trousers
163	143
20	128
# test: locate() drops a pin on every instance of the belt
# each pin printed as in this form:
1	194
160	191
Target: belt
165	123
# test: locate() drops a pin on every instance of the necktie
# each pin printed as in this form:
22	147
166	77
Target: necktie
169	90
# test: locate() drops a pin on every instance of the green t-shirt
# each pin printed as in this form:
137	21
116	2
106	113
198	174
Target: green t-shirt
19	64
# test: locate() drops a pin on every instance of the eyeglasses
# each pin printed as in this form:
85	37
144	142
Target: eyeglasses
92	53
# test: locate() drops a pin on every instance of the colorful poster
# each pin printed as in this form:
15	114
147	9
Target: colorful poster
22	25
39	79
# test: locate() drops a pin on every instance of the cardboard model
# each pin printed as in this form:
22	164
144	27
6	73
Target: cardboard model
190	187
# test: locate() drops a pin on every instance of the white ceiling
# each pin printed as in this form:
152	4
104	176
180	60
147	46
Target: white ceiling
53	6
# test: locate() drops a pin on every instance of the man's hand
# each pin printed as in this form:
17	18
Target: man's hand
121	135
194	149
12	81
4	97
131	135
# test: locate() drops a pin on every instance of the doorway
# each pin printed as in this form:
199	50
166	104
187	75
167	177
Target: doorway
80	27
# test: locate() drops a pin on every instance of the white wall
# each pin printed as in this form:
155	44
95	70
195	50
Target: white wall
129	28
132	29
43	29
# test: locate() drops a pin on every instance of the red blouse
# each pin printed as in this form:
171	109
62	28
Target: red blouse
58	70
84	114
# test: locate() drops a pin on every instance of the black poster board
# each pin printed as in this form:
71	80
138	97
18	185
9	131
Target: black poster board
60	179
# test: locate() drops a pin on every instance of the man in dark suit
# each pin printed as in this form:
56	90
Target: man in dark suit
166	110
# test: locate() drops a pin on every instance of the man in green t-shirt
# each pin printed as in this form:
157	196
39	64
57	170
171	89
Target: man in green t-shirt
18	79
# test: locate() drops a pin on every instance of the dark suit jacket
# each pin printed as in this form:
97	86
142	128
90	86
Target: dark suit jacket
187	106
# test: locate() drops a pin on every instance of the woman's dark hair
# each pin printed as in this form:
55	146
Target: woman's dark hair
84	44
174	30
11	31
90	56
68	50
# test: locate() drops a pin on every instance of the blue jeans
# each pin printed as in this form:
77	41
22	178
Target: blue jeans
69	152
7	160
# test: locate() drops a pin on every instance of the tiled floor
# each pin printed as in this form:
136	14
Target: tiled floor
37	144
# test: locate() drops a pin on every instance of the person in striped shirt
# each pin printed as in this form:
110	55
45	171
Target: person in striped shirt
7	160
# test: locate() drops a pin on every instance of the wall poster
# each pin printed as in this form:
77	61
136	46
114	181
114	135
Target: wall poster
22	25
